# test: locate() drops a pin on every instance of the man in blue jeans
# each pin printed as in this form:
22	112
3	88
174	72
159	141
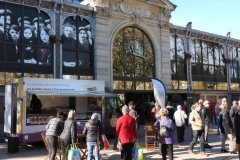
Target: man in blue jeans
217	111
198	129
93	130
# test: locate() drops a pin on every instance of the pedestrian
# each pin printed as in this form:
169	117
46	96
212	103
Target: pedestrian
237	129
167	142
190	117
127	133
206	112
217	111
53	130
225	124
198	130
154	112
93	130
170	109
213	113
233	111
179	117
156	117
69	134
132	112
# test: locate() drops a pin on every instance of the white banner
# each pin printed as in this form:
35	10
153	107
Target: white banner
159	92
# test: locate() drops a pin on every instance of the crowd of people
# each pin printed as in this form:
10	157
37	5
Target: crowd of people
200	119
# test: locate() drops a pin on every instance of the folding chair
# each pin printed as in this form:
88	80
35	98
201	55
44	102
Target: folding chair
59	152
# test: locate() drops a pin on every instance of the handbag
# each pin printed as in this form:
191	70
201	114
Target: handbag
119	145
163	132
74	153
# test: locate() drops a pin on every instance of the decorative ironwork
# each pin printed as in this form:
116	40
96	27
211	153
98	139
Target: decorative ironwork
31	2
46	5
16	1
86	13
70	10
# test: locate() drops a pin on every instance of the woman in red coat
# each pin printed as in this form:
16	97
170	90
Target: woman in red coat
127	132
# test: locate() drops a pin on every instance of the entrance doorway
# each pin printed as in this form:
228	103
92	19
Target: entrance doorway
141	100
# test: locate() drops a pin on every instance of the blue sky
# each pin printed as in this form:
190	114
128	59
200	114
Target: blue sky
213	16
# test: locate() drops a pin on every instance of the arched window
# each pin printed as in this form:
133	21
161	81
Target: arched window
133	57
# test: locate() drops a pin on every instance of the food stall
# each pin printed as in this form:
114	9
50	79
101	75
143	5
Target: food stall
83	96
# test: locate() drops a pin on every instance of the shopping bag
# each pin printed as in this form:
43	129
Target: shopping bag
74	153
105	142
232	145
137	152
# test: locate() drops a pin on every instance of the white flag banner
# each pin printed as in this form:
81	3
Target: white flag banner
159	92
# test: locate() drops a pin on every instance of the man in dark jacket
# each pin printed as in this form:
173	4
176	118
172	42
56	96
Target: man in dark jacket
69	134
206	118
93	130
53	129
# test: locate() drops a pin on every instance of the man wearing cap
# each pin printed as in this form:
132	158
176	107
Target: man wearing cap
26	21
5	17
41	24
53	130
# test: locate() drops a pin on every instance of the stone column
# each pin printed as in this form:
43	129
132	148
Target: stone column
102	60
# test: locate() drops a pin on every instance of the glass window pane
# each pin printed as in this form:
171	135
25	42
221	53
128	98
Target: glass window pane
180	50
73	77
139	85
118	85
13	53
45	75
175	84
129	85
30	75
172	47
2	78
148	86
198	51
182	84
235	86
12	77
86	77
69	58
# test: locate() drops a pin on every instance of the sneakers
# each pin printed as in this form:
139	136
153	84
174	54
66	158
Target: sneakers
203	154
191	152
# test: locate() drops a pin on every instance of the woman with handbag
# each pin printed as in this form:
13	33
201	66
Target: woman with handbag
179	117
225	125
69	134
166	128
127	132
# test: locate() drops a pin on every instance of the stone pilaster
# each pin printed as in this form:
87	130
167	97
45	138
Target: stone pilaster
102	60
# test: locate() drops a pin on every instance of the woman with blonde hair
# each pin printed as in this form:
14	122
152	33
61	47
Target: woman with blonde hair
127	132
69	134
167	142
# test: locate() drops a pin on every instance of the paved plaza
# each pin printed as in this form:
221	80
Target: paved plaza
37	151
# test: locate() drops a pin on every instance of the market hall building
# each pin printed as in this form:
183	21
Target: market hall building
124	43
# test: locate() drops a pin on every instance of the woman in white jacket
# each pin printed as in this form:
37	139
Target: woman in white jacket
179	117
